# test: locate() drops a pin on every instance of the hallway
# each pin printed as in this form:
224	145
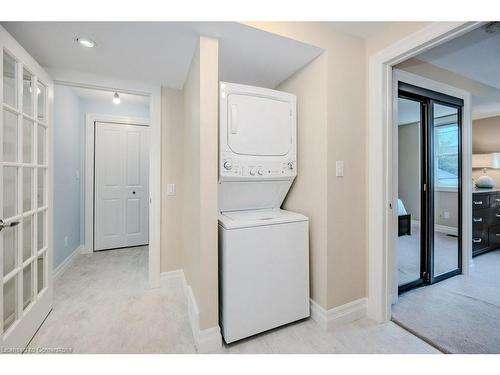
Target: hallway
102	305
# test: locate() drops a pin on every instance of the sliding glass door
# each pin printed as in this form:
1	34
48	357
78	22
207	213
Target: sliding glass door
429	186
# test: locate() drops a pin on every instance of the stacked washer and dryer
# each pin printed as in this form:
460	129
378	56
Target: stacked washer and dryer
263	250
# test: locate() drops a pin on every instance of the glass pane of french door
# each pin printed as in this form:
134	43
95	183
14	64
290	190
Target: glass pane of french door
446	166
23	202
409	194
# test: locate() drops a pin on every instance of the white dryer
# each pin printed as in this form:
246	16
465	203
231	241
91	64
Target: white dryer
263	250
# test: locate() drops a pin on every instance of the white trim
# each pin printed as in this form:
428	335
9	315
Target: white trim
174	275
333	318
380	158
447	230
59	270
207	340
90	120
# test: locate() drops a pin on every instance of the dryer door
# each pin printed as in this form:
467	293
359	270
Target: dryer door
259	126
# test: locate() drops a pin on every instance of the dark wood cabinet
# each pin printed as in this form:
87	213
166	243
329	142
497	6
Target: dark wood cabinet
485	220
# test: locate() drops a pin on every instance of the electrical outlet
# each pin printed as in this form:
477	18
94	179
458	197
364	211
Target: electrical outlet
66	241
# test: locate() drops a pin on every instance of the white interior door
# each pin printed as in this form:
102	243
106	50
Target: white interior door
121	171
25	197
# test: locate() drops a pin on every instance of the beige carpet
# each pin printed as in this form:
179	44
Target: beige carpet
458	315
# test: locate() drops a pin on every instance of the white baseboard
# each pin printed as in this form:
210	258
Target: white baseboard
329	319
173	275
206	340
446	230
439	228
58	271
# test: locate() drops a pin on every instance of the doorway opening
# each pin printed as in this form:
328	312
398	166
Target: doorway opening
429	186
106	142
455	314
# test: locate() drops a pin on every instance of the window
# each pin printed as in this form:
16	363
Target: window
446	152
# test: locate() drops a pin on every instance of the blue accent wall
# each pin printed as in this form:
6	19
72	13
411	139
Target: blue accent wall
67	151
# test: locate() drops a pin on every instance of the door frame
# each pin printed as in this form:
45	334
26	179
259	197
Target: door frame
90	120
380	161
89	81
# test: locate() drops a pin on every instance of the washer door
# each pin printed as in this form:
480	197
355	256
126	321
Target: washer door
258	125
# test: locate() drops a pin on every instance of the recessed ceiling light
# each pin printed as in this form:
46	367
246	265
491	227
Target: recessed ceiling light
86	42
116	98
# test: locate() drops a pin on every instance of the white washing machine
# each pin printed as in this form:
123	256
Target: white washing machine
264	271
263	250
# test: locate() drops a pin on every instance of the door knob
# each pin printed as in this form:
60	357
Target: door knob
7	225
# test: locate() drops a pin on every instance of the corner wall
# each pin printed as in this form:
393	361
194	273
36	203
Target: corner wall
308	193
172	150
344	200
200	239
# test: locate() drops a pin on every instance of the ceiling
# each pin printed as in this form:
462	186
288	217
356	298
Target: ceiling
475	55
107	96
160	53
484	107
360	29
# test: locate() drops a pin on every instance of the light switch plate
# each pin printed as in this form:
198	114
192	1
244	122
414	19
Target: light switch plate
339	168
170	189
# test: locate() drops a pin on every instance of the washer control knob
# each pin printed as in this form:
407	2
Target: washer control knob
290	165
228	165
260	172
252	172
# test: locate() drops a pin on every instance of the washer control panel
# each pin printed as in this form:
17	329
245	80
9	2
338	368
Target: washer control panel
259	170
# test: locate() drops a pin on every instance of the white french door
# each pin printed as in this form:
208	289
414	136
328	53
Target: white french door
121	170
25	199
